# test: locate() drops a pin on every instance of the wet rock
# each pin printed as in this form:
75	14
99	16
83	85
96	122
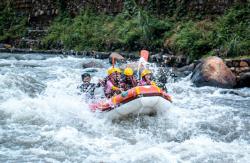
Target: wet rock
244	80
229	63
243	64
118	57
100	55
234	92
186	70
7	46
212	71
92	64
174	61
244	69
156	57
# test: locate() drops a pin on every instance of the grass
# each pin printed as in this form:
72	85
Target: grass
12	26
139	27
90	31
228	35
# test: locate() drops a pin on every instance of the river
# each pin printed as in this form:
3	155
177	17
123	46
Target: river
43	119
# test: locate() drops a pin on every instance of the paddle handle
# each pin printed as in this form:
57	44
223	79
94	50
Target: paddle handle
113	62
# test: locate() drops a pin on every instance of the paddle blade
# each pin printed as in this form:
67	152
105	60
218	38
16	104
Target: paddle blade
144	54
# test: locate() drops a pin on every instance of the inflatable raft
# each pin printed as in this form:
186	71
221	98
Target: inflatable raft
138	100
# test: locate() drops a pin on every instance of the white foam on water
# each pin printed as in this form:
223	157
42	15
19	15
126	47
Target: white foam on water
54	124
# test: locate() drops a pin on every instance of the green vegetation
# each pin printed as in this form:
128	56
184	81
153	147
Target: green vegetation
138	26
89	31
228	35
233	31
12	26
192	38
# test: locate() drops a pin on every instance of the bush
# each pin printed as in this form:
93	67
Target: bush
90	31
134	29
12	26
82	32
230	34
192	39
233	31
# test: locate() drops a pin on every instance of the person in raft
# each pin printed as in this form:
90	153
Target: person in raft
118	78
129	80
112	86
146	78
87	87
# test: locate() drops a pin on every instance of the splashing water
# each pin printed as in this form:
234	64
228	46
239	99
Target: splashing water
43	119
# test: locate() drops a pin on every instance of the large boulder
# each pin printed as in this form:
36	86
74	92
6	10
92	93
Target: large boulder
244	80
92	64
212	71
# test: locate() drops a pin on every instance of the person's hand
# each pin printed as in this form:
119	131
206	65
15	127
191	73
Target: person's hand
118	92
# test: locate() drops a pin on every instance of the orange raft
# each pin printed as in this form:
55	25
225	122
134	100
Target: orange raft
140	99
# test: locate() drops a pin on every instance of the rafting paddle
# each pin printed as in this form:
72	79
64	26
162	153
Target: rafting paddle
113	62
144	54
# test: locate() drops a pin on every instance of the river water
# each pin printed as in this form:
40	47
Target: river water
43	119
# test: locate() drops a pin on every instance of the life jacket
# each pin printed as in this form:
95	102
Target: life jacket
129	83
111	88
88	89
144	82
104	82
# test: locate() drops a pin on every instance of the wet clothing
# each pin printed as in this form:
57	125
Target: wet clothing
88	89
103	82
111	89
129	83
144	82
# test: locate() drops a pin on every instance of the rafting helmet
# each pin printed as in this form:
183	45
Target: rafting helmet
145	72
128	71
118	70
111	70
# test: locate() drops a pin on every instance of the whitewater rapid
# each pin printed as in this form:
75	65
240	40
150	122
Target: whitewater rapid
43	119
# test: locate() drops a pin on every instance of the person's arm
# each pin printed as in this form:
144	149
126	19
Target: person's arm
134	81
153	83
101	82
112	87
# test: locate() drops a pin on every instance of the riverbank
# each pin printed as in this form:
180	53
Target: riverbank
225	34
163	59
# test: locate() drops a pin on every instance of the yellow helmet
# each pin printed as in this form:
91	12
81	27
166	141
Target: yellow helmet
118	70
145	72
111	70
128	71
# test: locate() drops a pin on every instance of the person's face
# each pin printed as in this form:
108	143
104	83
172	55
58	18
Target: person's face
87	79
112	76
129	76
118	75
148	76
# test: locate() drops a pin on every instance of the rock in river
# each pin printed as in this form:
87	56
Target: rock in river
212	71
118	57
